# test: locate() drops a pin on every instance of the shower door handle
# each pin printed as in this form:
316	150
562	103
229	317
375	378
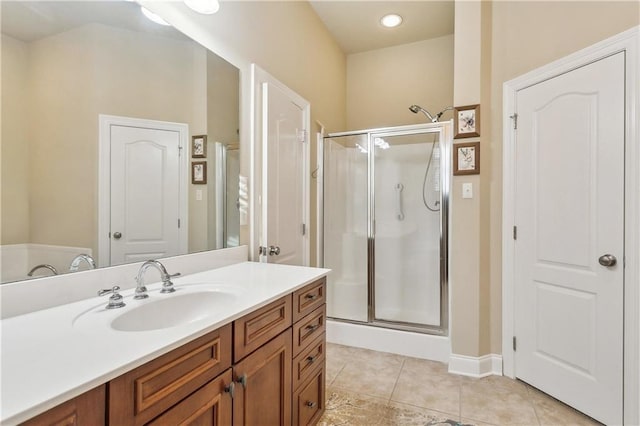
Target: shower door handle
274	250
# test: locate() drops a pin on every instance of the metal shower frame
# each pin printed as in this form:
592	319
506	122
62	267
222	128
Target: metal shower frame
444	130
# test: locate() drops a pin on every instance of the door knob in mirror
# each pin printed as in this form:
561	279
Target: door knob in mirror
274	250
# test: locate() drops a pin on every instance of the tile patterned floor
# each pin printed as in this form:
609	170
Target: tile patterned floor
368	388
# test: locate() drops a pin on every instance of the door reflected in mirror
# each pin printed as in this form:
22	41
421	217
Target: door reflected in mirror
63	65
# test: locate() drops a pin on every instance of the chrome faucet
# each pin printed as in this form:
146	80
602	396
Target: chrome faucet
75	263
167	285
43	265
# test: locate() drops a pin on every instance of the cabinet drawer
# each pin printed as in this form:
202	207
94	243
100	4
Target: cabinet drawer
86	409
210	405
308	329
308	402
140	395
308	361
309	298
257	328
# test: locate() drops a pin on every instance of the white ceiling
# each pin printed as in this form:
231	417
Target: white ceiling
356	27
33	20
355	24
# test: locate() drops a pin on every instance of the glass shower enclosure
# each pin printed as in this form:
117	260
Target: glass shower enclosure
385	205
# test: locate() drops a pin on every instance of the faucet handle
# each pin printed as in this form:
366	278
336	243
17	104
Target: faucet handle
167	285
141	290
116	300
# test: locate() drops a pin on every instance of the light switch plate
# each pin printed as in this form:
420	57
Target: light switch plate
467	190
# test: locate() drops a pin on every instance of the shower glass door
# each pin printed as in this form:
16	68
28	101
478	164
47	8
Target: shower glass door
407	206
345	225
385	222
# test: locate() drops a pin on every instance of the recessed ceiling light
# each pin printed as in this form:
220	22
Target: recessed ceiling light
153	17
206	7
391	20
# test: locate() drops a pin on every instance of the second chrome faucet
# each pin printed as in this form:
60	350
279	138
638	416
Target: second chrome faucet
167	285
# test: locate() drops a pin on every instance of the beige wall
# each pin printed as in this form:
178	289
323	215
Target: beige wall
520	45
495	42
383	83
465	247
14	149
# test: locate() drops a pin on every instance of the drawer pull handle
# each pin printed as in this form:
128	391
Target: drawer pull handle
230	389
242	380
311	359
311	296
313	327
311	404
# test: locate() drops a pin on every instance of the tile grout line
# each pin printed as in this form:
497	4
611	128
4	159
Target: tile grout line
397	380
459	400
336	376
533	405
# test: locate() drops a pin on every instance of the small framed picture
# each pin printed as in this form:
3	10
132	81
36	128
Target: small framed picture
466	121
199	146
199	172
466	158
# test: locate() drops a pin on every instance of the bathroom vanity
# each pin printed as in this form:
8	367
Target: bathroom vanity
259	360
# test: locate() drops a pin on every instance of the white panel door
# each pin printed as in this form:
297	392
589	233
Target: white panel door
284	186
145	194
569	213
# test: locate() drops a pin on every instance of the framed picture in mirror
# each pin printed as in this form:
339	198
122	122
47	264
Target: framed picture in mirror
199	172
199	146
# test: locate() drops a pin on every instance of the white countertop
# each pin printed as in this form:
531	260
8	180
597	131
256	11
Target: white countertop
56	354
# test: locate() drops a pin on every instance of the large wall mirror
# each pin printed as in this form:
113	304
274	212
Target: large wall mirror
66	66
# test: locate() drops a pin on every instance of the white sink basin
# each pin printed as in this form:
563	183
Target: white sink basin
173	311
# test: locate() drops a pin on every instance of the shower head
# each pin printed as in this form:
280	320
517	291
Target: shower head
417	108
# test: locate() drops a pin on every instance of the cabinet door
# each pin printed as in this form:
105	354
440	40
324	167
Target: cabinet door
86	409
263	389
209	406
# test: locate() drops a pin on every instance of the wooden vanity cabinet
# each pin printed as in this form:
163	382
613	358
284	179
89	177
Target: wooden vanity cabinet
86	409
266	368
309	351
268	378
139	396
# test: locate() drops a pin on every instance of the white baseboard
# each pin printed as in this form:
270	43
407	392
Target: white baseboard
487	365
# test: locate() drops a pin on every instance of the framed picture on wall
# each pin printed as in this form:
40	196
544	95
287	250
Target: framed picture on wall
466	158
466	121
199	146
199	172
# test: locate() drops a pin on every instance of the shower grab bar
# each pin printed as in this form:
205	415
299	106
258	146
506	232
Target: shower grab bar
400	213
